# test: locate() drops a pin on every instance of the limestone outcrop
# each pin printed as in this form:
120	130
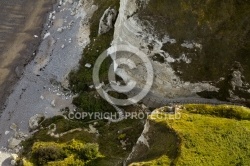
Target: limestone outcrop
107	20
35	120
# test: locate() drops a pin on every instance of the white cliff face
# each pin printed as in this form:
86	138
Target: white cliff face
142	142
106	22
129	30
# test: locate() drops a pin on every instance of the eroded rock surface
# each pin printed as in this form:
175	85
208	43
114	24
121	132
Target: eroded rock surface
107	20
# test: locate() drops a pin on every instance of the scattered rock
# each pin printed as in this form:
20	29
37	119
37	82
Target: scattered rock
92	129
73	13
21	135
35	36
46	35
13	162
71	2
236	80
42	97
59	29
14	156
123	143
13	126
7	132
18	71
88	65
13	142
106	22
144	106
63	46
50	16
35	120
53	103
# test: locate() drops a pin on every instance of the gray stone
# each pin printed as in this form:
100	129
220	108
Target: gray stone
13	162
71	2
13	142
106	22
35	120
59	29
53	104
13	127
14	156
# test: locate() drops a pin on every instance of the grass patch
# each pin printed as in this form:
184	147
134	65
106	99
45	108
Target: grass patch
225	111
62	125
108	139
163	146
209	136
164	160
71	153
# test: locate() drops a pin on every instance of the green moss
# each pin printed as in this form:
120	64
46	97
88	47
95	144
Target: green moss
226	111
163	146
209	135
164	160
70	153
108	141
109	138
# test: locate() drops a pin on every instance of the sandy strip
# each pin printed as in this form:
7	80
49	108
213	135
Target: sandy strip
17	43
65	35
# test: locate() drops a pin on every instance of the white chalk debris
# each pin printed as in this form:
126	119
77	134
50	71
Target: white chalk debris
87	65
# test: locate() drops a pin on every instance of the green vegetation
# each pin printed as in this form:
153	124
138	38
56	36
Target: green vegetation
163	146
164	160
62	125
205	135
81	79
70	153
209	135
109	134
108	140
231	112
221	27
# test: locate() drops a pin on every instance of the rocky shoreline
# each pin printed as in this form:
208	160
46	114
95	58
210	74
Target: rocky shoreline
42	90
17	42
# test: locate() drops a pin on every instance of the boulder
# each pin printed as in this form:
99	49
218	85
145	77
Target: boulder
107	20
71	2
13	142
13	156
59	29
53	103
13	127
21	135
13	162
88	65
35	120
236	80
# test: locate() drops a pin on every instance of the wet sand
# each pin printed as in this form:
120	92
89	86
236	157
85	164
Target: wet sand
20	20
